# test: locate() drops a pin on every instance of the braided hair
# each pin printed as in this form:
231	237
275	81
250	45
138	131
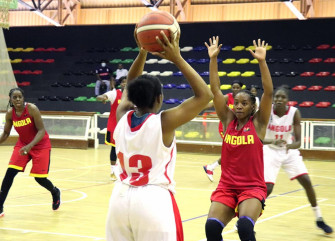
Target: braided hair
10	104
252	99
144	90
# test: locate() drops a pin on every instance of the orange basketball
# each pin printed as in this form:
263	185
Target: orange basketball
151	25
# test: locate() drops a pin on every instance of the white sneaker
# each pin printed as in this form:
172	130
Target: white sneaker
209	173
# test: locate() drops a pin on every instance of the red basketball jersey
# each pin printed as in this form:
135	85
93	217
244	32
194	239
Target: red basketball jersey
230	103
242	158
112	115
25	127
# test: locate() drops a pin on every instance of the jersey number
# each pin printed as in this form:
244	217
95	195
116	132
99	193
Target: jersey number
279	137
141	177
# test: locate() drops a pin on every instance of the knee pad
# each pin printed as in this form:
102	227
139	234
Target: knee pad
214	229
246	228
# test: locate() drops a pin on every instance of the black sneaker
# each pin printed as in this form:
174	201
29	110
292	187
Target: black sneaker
322	225
56	199
2	213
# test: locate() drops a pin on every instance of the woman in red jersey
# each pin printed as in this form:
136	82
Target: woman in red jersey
33	144
241	190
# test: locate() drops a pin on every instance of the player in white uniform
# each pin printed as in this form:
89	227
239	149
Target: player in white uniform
282	140
142	206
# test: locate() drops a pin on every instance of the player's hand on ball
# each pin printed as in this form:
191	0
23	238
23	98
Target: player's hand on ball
260	50
171	50
137	42
213	47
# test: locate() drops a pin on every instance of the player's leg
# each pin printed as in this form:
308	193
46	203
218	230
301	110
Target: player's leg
221	212
296	169
112	155
209	169
16	164
108	85
251	204
117	224
272	164
97	87
40	171
154	215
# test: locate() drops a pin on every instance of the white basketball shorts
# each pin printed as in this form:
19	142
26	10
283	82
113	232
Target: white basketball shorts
291	162
146	213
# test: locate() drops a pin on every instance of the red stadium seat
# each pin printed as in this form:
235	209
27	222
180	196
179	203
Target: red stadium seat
62	49
37	72
292	103
306	104
315	88
17	71
40	50
333	47
330	88
323	74
323	47
38	61
25	83
26	72
27	61
333	74
329	60
50	49
299	88
49	61
323	104
315	60
307	74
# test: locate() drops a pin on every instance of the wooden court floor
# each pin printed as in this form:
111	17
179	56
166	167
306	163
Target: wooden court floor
83	177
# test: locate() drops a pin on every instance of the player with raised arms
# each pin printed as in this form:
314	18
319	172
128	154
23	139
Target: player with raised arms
142	205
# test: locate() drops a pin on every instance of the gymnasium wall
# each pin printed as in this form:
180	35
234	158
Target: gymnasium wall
193	12
78	39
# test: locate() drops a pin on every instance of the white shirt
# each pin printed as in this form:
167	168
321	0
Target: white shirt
144	158
281	128
120	73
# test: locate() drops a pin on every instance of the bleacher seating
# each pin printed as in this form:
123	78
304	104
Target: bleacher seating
61	68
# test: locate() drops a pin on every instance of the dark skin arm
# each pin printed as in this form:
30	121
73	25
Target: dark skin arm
297	132
8	126
36	115
220	101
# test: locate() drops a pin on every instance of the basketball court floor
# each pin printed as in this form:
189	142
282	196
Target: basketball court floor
83	177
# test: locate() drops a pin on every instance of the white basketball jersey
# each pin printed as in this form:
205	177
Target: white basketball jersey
143	157
281	128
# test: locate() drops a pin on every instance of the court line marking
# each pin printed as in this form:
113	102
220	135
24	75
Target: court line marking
53	233
84	195
332	178
274	216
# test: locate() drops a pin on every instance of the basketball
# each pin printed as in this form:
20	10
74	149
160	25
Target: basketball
151	25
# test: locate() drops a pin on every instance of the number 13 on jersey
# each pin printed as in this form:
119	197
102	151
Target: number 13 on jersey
138	167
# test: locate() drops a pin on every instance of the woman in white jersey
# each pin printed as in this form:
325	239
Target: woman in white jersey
282	140
142	205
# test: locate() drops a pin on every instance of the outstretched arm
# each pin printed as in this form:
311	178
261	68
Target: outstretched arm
135	70
263	114
190	108
220	101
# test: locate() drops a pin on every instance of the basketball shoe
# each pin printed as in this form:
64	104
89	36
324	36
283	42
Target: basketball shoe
322	225
2	213
113	171
209	173
56	199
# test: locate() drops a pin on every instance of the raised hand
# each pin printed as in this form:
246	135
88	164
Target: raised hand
260	50
171	50
213	47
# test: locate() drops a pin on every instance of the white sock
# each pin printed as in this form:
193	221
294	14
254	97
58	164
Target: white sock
317	213
213	166
112	169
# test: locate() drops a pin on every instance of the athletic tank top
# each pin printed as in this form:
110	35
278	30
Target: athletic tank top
281	128
25	127
242	158
114	96
144	158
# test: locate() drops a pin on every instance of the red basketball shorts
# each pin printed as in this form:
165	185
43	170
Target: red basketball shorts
40	158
